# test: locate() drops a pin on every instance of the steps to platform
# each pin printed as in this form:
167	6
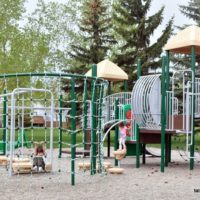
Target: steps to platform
115	170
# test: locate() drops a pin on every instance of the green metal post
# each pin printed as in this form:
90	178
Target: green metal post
137	127
109	114
60	125
125	85
109	88
116	128
167	71
168	82
193	117
73	131
85	110
4	122
99	126
168	143
94	126
163	115
46	75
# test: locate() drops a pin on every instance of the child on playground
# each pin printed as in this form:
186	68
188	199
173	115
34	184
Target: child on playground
123	132
128	125
39	159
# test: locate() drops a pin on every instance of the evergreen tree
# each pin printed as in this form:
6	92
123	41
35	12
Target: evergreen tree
192	10
133	29
94	36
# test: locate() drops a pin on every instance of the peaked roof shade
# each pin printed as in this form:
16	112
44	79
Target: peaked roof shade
184	40
109	71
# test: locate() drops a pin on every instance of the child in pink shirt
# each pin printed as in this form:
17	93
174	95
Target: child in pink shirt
123	130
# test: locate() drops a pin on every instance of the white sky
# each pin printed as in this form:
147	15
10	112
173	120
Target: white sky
171	9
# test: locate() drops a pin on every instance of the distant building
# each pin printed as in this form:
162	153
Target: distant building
42	116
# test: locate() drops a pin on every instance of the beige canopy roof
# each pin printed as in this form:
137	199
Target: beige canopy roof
109	71
184	40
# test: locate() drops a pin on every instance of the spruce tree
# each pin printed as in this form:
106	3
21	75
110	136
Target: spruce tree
93	38
133	29
192	10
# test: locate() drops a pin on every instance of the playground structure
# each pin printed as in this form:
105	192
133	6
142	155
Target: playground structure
18	106
21	165
111	112
160	109
177	112
154	107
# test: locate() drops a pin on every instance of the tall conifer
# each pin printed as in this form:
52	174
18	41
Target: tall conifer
94	36
133	29
192	10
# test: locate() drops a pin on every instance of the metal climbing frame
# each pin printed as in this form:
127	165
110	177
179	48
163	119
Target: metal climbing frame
172	108
197	98
190	96
142	112
180	110
176	102
74	100
13	119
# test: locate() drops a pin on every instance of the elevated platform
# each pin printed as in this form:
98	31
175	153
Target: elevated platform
150	136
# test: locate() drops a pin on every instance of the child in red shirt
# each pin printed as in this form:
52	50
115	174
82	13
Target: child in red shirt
122	139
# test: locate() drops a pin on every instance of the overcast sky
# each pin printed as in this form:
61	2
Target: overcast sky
171	9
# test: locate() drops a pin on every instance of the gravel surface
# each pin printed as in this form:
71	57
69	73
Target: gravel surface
147	182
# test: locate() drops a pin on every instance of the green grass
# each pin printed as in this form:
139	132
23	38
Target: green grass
179	141
42	134
39	134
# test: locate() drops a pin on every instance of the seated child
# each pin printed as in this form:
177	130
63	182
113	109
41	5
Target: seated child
39	159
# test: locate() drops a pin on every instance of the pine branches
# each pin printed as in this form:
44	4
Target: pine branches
192	10
133	29
95	26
